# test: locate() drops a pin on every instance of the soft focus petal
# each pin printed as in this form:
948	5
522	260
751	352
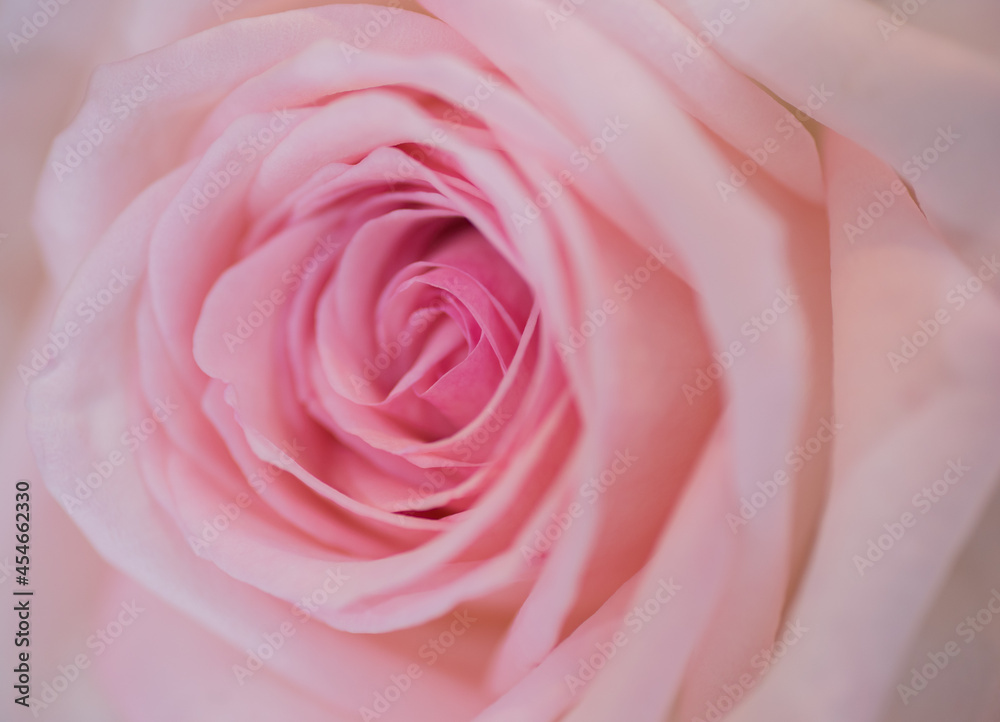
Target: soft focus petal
907	421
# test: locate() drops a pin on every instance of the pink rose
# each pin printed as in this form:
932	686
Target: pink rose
535	361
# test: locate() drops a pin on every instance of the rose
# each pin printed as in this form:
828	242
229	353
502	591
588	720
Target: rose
727	292
430	299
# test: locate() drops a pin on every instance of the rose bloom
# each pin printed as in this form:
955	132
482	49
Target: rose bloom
539	360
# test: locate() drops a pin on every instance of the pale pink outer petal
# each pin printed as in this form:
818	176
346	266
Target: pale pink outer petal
895	96
966	688
901	428
725	651
198	684
707	87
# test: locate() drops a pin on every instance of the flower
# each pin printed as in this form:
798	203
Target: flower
491	366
